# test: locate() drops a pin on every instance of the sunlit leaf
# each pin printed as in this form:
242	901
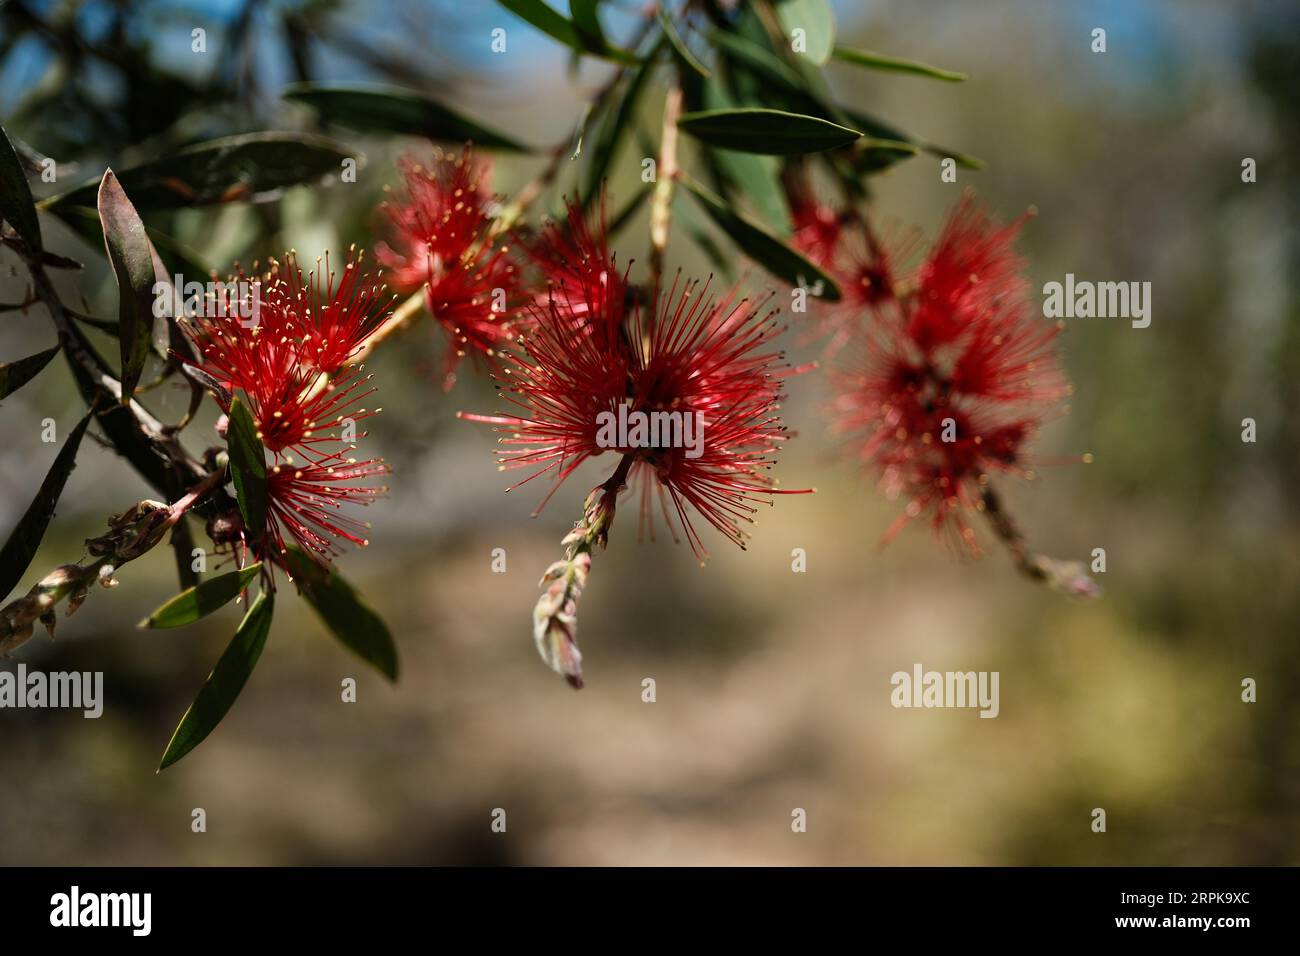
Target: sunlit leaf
131	256
247	467
202	599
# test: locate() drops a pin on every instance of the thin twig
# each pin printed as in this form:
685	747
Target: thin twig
661	208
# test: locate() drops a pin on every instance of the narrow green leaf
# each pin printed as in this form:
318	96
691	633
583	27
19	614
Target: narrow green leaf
757	242
16	206
559	27
14	375
770	67
132	260
248	167
879	129
679	45
342	610
392	109
18	551
247	467
876	155
587	24
893	64
202	599
755	177
224	683
764	131
817	23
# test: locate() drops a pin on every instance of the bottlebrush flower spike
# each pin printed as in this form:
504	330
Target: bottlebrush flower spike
578	270
871	271
306	501
710	359
950	385
283	344
442	242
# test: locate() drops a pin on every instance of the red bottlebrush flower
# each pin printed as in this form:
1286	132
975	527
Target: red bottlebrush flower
952	385
330	323
971	268
283	344
869	270
816	229
443	242
305	501
284	341
579	270
707	359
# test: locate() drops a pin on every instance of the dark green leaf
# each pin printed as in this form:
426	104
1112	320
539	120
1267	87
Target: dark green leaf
587	24
874	155
815	19
879	129
21	547
132	260
771	68
559	27
679	45
202	599
769	132
224	683
392	109
344	612
893	64
16	206
755	177
251	166
247	467
762	246
14	375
